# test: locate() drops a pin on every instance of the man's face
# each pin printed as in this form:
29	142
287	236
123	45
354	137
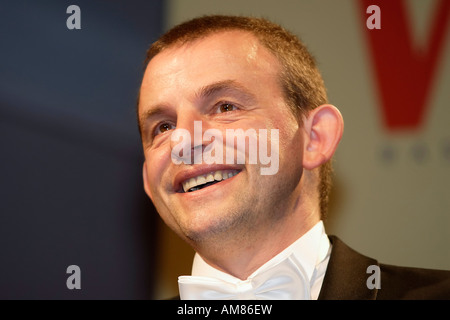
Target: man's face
227	81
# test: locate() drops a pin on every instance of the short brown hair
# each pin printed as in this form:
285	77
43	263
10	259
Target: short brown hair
300	79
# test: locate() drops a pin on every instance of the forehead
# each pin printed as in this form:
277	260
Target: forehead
228	55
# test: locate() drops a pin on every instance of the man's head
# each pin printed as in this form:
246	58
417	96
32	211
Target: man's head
236	73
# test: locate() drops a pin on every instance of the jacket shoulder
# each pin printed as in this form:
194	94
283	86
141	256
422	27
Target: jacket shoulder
347	274
413	283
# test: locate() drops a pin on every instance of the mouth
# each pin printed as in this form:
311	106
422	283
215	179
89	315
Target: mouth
205	180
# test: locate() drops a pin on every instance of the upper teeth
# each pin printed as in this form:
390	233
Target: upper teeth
209	177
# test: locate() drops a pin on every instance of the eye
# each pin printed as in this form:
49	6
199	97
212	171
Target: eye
226	107
163	127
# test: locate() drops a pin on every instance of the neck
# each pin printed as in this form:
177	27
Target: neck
241	255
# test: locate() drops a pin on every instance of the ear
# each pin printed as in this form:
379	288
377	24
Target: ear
323	127
145	178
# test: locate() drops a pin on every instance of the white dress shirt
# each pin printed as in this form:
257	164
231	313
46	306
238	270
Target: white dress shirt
312	251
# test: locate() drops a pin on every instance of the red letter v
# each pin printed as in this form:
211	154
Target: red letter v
404	74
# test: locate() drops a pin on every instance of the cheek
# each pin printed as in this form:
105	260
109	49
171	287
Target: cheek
157	162
290	139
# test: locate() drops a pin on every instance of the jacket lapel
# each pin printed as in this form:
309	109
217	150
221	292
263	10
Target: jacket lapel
346	275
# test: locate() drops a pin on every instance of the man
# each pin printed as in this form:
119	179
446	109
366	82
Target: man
219	95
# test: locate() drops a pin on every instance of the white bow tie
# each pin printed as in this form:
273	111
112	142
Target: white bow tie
284	281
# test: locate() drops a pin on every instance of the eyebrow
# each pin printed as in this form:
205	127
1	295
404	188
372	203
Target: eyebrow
225	86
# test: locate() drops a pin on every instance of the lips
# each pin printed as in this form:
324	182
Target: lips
193	178
204	180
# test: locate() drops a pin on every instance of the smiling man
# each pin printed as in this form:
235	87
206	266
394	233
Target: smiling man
218	86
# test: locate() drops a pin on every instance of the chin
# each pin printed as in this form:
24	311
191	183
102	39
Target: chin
209	226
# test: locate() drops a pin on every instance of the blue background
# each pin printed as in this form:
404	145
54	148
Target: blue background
70	160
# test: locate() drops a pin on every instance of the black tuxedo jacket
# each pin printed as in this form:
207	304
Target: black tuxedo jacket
346	278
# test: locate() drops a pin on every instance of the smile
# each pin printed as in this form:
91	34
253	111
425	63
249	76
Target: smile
206	180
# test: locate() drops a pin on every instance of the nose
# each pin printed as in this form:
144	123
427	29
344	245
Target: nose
187	141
